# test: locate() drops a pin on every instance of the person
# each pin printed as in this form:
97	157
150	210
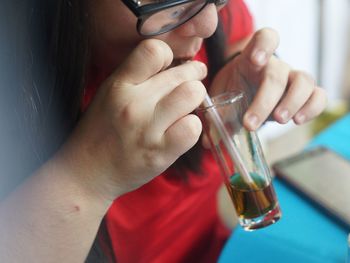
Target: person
118	164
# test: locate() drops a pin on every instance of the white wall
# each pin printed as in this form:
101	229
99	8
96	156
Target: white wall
296	26
336	45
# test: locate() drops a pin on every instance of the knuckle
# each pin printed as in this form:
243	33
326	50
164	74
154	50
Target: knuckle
265	107
263	31
115	86
275	78
178	75
154	48
200	90
293	105
153	160
268	33
194	128
130	114
199	68
193	91
186	72
151	49
306	78
150	149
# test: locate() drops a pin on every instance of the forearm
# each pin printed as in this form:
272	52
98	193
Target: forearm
50	218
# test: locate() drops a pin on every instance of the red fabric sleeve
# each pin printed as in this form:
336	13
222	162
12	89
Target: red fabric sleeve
237	21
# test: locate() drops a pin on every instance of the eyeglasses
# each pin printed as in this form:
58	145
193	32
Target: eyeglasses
157	16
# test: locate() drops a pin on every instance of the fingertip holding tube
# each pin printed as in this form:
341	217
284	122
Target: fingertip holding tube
251	120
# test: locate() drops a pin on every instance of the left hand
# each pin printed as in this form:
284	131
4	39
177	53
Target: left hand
279	90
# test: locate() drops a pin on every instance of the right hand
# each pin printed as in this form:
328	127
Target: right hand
139	122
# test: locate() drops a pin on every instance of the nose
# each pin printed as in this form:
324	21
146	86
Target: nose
203	25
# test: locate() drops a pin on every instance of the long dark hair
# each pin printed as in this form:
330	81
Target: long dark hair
44	101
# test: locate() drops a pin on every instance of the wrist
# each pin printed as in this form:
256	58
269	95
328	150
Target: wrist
85	182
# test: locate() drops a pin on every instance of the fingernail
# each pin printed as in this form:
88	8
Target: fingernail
300	118
253	121
284	114
260	57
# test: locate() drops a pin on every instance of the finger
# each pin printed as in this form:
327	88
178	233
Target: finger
313	107
268	95
148	58
163	83
261	47
299	91
205	141
180	102
182	135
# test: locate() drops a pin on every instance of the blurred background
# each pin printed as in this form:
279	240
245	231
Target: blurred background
314	37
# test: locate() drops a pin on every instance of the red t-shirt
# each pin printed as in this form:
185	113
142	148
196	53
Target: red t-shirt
169	220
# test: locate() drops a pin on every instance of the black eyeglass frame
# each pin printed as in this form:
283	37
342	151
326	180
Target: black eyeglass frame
145	11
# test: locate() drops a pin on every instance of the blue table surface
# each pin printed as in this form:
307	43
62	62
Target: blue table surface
304	233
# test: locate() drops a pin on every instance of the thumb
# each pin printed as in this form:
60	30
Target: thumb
147	59
261	47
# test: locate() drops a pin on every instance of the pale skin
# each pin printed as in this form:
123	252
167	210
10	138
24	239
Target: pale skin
142	111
